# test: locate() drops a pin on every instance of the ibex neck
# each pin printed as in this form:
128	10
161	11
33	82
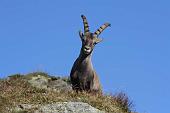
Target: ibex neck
84	57
85	62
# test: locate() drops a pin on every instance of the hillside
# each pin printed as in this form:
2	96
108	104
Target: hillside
41	93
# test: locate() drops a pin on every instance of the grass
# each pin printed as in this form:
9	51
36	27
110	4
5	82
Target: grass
17	90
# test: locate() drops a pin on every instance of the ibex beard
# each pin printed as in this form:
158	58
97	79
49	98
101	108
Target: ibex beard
83	76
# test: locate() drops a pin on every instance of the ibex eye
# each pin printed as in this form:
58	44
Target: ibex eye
94	43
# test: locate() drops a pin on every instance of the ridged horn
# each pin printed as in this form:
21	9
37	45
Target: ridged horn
86	26
103	27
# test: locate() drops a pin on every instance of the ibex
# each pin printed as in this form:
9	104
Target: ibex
83	76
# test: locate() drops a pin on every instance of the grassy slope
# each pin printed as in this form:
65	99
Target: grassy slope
17	90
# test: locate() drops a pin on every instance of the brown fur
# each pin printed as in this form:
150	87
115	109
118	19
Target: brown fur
83	76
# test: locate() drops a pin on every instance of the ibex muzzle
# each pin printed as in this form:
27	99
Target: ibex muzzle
83	76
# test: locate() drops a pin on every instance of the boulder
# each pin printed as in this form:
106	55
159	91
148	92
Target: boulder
50	83
59	107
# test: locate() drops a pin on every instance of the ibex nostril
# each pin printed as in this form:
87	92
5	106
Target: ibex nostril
87	48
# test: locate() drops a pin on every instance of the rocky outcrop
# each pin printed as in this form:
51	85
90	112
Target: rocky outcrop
39	92
59	107
50	83
56	84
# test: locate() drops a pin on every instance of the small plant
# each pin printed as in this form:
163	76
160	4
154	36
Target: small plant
37	73
15	76
123	101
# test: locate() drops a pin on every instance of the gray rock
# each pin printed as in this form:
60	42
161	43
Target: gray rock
59	107
59	85
56	84
39	81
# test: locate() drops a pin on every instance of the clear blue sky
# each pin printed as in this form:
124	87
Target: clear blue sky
134	56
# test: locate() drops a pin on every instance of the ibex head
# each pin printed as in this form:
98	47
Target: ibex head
89	40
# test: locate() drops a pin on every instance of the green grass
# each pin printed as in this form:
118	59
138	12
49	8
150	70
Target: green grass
17	90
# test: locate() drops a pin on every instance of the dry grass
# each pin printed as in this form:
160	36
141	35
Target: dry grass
16	90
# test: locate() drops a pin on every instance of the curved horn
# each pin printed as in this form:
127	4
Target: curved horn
103	27
86	26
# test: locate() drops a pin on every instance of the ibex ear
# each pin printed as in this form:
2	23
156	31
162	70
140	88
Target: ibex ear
81	34
98	40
